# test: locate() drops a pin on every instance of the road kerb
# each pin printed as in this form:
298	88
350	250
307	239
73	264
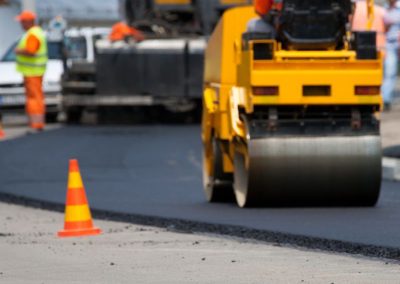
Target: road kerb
391	169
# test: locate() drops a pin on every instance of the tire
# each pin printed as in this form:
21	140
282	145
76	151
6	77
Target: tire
217	184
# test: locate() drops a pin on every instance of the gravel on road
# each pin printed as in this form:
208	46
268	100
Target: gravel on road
127	253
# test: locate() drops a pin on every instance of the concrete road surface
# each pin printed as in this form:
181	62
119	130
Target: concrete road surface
126	253
391	127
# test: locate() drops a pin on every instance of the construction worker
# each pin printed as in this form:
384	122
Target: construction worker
2	134
392	26
264	6
122	32
360	21
31	55
262	24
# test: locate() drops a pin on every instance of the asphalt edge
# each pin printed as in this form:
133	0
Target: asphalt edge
391	169
185	226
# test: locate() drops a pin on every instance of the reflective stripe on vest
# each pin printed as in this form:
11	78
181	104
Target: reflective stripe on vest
33	65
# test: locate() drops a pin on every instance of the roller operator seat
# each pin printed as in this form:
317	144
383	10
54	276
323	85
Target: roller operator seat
302	24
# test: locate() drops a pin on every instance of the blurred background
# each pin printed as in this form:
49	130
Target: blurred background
87	13
90	73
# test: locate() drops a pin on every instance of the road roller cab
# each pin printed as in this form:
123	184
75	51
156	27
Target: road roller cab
292	119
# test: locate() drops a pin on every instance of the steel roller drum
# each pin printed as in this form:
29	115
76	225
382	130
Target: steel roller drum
321	171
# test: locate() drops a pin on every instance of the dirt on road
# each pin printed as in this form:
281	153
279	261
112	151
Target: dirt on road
126	253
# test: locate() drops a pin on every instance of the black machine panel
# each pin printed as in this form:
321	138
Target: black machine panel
314	24
158	68
195	66
118	73
163	67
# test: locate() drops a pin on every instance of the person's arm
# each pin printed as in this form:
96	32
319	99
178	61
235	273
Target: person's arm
32	46
391	18
138	35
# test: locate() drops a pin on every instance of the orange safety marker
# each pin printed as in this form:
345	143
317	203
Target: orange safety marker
2	134
78	220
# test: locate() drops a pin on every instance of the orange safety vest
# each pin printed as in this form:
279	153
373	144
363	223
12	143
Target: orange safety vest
121	30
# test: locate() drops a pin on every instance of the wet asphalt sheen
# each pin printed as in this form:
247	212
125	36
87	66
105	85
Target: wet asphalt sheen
156	171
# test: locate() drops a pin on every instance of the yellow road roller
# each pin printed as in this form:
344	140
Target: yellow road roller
291	112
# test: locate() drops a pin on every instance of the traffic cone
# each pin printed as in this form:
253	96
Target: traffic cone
78	220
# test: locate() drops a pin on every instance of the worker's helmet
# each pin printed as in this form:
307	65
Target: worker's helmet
26	16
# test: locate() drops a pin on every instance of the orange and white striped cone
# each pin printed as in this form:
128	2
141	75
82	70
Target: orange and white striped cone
78	220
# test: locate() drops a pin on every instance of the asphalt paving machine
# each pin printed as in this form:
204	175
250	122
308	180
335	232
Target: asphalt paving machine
166	69
291	116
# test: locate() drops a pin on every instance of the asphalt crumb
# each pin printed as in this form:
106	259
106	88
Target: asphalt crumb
141	229
246	234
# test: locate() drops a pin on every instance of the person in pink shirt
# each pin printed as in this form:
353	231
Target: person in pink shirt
392	27
360	21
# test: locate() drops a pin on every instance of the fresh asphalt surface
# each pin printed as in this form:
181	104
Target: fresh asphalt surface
156	171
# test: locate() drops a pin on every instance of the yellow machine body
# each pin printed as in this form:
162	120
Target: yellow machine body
173	2
297	78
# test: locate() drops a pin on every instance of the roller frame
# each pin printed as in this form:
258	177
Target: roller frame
280	160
